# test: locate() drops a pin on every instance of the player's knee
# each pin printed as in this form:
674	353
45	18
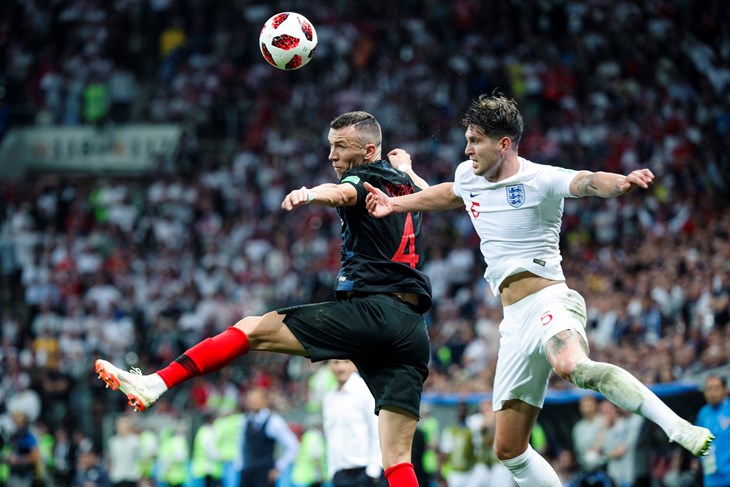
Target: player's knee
251	326
269	333
506	450
564	365
564	351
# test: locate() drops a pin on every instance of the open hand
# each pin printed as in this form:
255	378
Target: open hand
377	202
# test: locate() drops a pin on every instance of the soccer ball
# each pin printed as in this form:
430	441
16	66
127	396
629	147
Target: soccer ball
288	40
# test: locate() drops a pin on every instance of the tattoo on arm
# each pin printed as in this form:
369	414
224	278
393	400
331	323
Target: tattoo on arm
599	184
586	185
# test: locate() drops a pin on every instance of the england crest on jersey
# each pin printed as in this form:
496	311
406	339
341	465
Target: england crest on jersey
515	195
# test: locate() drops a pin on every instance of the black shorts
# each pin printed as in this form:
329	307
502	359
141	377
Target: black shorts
385	338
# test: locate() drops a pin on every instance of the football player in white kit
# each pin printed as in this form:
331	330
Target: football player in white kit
516	207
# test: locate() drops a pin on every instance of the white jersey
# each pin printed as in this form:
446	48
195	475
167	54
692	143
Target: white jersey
518	219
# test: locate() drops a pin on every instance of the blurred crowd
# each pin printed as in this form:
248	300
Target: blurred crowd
137	269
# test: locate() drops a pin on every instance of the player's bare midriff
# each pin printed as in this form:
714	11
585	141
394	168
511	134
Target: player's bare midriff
521	285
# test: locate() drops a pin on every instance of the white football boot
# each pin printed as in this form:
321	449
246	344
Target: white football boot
139	395
696	439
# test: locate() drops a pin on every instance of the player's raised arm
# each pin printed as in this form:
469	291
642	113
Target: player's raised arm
328	194
609	185
401	160
433	198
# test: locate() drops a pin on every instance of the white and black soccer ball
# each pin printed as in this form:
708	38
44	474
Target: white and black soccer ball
288	40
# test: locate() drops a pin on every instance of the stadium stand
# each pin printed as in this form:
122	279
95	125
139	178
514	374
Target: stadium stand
152	258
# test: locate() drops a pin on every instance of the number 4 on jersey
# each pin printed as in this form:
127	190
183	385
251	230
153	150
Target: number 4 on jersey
408	241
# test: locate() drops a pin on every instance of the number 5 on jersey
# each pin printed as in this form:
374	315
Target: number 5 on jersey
406	252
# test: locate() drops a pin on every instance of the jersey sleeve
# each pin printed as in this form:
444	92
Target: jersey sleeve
357	182
555	182
458	178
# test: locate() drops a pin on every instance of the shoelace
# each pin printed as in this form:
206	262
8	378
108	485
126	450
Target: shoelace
135	371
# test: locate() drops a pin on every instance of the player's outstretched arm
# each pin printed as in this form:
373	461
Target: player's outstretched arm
378	203
401	160
328	194
433	198
609	185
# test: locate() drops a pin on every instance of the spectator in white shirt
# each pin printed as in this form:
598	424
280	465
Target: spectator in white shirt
123	454
351	430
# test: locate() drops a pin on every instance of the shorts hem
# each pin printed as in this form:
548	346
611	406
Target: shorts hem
576	326
499	405
301	338
400	405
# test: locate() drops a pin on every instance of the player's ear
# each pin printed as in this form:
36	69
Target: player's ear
370	151
505	143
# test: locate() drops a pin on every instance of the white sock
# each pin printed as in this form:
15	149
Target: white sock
155	382
531	470
625	390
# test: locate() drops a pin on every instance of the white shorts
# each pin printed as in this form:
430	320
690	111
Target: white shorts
522	367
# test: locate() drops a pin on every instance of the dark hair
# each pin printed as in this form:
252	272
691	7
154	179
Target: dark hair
365	124
496	116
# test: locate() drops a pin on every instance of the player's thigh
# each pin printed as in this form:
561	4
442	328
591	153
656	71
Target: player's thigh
270	333
513	425
522	368
562	314
558	309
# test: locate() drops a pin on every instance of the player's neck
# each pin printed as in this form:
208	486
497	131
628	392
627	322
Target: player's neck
507	168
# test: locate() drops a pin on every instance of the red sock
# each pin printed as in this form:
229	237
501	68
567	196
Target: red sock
401	475
210	355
